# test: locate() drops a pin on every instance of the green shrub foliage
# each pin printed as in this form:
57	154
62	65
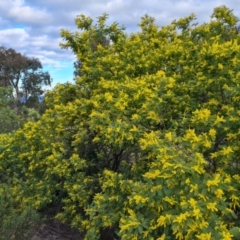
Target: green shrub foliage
16	222
145	144
9	121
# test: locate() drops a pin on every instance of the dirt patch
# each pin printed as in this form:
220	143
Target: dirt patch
54	230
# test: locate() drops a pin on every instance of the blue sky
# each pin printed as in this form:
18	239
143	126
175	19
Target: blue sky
32	27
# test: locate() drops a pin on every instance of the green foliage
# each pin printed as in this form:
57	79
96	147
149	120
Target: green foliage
19	71
9	121
145	145
16	223
30	114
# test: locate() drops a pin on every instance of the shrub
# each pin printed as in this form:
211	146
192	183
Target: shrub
16	222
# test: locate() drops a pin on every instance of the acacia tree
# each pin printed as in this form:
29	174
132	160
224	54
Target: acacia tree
22	73
98	38
146	144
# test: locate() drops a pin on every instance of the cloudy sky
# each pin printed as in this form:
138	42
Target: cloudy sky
32	27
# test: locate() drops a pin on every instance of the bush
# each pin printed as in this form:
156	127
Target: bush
15	222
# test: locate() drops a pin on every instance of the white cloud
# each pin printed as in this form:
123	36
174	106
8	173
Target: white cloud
16	36
17	11
29	15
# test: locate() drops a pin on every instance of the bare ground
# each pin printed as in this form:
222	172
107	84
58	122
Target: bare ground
54	230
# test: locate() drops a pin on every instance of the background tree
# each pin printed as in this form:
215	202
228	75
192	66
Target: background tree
77	69
9	121
22	73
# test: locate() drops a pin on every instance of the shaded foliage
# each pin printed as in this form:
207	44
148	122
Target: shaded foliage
9	120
